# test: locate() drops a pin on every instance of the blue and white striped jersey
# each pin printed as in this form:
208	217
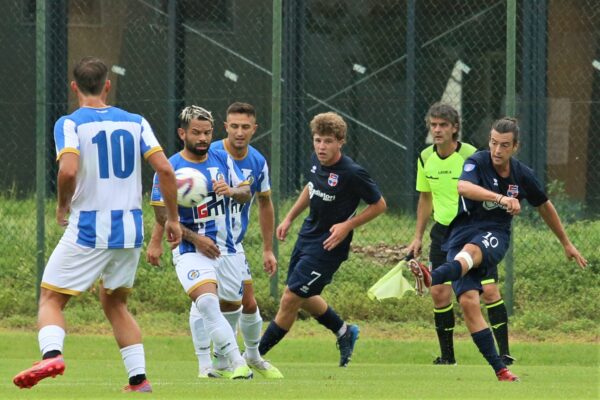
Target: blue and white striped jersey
256	171
106	209
212	218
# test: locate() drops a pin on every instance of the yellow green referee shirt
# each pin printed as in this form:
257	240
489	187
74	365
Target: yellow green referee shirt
440	177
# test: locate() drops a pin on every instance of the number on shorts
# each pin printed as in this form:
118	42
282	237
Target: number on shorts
318	275
489	240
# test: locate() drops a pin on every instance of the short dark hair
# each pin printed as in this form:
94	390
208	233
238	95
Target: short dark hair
507	125
446	112
241	108
90	74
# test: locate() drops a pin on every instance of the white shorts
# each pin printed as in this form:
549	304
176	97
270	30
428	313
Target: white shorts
195	269
245	270
72	269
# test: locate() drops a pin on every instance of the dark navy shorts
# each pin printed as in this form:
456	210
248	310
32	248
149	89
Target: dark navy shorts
493	245
308	276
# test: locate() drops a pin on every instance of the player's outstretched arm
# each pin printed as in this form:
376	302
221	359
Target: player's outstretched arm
266	219
424	211
551	218
300	205
475	192
341	230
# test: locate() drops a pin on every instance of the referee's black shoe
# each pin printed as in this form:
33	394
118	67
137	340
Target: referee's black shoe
443	361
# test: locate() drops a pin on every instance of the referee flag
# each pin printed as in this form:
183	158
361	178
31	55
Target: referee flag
392	284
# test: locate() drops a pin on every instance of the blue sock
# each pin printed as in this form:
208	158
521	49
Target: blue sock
448	271
485	343
331	320
273	335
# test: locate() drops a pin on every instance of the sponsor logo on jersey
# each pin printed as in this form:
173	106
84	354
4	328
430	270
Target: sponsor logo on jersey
513	191
313	169
316	192
469	167
333	180
211	208
495	181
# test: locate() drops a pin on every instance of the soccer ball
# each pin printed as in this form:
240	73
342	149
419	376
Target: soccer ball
192	187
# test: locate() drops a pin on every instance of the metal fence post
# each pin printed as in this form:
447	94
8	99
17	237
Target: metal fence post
511	108
40	170
276	127
175	72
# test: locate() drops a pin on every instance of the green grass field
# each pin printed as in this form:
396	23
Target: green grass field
381	369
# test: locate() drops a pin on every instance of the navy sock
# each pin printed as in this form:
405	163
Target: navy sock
499	321
444	326
485	343
331	320
273	335
448	271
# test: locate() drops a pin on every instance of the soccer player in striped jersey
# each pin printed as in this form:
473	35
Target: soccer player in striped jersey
99	149
491	187
240	126
438	169
207	260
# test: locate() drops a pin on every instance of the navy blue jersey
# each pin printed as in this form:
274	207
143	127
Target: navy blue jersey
487	215
334	192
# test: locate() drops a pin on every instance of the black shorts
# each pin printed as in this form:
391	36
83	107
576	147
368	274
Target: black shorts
437	256
308	276
493	245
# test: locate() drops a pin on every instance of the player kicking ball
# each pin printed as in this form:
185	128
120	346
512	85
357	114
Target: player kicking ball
491	187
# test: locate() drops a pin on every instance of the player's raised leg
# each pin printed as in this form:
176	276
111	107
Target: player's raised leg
51	340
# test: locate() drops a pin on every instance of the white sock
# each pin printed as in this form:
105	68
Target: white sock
134	360
233	317
251	327
200	338
51	337
218	329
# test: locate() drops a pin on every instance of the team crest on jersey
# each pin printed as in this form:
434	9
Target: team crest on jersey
332	180
513	191
193	274
469	167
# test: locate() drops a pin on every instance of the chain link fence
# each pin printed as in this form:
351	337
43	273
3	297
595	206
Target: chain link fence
379	64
